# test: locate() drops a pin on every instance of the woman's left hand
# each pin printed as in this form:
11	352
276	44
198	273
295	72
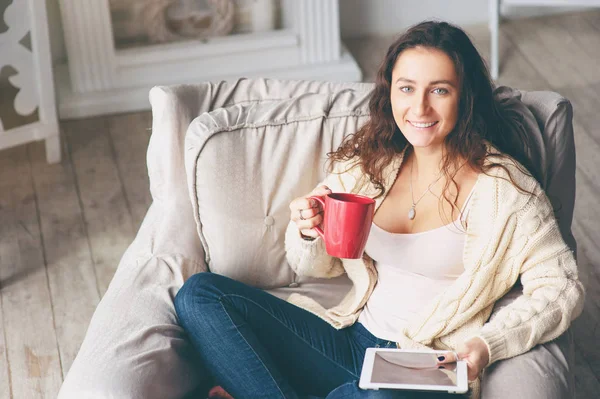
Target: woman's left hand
474	352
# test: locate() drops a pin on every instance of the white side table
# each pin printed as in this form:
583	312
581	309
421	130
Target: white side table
25	47
495	14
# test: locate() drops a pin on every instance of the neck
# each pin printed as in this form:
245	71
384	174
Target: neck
427	162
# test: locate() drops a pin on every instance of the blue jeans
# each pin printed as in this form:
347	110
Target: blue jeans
259	346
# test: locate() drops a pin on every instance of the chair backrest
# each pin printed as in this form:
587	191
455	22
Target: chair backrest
554	115
169	226
549	121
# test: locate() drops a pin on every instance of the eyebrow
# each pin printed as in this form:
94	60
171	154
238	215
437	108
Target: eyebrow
435	82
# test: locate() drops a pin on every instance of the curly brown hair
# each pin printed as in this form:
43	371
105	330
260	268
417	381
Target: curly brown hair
481	118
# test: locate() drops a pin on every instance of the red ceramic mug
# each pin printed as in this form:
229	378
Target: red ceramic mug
346	223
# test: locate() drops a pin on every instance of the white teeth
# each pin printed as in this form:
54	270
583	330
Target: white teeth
416	124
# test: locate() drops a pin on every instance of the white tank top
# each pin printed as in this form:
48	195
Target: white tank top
412	269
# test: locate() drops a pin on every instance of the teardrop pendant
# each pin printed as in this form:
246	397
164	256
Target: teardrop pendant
412	213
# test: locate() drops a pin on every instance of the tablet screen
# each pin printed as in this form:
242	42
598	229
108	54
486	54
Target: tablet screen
411	368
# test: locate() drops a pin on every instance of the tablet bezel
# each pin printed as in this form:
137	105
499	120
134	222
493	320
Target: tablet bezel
368	363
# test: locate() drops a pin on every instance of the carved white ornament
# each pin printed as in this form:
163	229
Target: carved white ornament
25	48
19	57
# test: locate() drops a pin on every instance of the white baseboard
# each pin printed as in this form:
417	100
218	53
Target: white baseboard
81	105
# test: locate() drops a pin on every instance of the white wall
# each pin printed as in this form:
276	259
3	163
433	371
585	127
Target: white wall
363	17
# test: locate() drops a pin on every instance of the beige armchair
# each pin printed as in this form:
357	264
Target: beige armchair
221	183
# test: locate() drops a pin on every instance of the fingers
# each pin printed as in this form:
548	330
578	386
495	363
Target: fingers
305	208
309	233
451	357
307	226
472	372
477	350
475	353
448	357
473	367
307	212
320	191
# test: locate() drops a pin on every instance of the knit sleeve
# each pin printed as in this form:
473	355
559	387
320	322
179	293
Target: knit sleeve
309	258
552	294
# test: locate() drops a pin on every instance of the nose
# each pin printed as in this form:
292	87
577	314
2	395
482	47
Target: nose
420	105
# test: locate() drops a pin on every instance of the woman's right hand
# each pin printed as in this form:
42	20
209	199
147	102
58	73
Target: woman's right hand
308	213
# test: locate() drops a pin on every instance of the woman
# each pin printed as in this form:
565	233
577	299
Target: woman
447	169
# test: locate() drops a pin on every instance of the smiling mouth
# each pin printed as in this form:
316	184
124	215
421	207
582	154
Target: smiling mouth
422	125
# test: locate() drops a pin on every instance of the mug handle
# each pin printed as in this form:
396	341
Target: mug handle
318	228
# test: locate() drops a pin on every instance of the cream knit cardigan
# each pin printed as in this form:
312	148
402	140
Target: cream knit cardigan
510	234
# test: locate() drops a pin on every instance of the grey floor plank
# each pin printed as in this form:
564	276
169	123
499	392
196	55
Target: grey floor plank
71	272
5	392
27	312
107	217
576	44
129	134
582	31
552	51
515	69
587	210
585	102
593	17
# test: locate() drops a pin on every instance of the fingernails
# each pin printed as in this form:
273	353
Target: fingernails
441	358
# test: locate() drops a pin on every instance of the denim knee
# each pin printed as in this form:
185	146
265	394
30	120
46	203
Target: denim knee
198	289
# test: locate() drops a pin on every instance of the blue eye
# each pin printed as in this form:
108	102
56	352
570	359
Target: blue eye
440	91
406	89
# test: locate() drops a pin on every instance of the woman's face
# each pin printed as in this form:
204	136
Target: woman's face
425	96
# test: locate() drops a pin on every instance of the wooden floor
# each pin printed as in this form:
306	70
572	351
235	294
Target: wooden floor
64	227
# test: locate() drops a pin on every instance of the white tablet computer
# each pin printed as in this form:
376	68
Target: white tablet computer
411	370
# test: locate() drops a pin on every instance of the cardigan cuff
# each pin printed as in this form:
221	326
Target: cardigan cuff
298	249
496	345
313	247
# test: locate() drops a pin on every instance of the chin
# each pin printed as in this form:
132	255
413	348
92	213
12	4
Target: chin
418	142
422	139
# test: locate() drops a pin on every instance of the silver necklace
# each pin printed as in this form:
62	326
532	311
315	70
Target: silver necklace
412	212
